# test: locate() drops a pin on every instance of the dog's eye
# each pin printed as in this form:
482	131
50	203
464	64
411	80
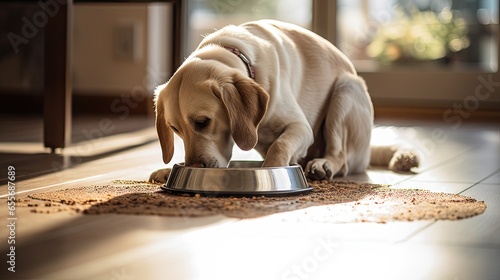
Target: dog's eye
174	129
201	123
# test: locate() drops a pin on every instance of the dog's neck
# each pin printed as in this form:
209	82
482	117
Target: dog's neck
246	61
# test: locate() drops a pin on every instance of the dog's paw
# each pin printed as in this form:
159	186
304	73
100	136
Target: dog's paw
160	175
404	161
321	168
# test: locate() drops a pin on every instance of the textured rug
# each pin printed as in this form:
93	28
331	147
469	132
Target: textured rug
343	202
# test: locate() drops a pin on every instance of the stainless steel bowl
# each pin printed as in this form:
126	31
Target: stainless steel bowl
241	178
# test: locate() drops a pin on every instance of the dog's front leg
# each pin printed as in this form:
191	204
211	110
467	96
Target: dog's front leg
290	146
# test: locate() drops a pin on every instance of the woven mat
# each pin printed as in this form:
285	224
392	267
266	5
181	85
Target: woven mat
342	202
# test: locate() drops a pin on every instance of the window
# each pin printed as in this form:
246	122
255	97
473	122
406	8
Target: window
418	52
434	35
205	16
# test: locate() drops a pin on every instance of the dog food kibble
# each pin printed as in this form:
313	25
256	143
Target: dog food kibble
337	202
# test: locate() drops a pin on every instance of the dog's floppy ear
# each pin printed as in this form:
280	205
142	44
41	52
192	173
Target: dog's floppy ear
165	133
166	136
246	104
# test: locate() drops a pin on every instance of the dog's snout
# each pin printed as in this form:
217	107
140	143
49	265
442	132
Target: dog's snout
202	163
197	164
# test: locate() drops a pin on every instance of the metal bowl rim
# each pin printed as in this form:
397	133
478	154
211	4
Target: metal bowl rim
182	166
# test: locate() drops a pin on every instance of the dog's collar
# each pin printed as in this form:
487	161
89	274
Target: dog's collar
250	69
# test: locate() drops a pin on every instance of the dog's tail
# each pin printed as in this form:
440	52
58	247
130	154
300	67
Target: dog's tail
393	157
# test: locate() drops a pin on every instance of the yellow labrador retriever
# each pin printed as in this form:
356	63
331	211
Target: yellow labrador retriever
275	87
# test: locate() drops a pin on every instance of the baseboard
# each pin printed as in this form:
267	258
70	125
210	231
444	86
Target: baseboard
21	103
24	103
120	104
449	115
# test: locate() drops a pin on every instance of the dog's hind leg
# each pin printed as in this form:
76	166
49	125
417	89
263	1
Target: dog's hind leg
347	131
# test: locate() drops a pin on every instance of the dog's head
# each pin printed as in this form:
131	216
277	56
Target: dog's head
211	107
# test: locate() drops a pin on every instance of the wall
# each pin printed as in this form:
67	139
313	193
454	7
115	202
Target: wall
97	69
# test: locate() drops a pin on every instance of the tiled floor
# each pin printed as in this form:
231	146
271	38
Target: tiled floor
462	160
